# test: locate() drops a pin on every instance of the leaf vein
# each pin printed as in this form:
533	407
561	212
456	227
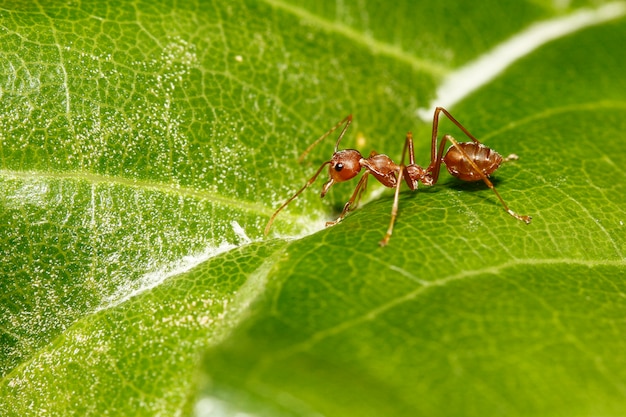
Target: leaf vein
424	286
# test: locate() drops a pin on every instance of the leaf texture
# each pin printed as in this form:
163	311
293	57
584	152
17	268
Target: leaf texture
144	145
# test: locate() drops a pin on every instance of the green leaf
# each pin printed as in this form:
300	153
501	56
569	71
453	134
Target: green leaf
144	146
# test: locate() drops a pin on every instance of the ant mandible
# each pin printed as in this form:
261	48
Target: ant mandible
468	161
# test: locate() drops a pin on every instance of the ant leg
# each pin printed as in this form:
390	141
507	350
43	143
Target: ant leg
308	183
361	191
453	120
356	195
408	144
525	219
437	156
394	209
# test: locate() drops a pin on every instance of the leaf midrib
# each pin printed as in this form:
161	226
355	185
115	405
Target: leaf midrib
169	189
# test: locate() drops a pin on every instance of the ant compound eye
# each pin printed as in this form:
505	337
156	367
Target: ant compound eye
345	165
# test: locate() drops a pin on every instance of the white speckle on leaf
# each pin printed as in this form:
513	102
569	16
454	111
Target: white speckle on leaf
213	407
34	193
240	232
150	280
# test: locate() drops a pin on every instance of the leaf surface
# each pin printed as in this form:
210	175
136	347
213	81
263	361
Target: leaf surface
144	146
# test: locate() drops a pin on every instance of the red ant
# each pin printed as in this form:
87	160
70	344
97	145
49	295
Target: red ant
468	161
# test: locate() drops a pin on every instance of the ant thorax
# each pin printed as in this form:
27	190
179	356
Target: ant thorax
382	168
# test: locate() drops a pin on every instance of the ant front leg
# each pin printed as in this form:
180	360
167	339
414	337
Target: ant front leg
354	200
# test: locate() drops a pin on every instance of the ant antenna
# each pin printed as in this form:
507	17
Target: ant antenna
347	121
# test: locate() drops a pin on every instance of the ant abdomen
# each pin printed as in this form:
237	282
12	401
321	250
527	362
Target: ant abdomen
484	157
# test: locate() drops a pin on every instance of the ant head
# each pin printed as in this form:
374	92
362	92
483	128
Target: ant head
344	165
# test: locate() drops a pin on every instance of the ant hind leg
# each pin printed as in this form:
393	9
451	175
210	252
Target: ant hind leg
525	219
